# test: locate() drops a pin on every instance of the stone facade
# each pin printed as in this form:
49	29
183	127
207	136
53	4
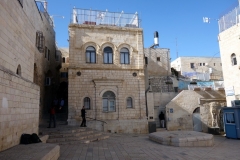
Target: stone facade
196	67
93	80
179	112
64	52
229	45
23	68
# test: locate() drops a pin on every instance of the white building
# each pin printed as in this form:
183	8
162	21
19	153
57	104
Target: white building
199	68
229	38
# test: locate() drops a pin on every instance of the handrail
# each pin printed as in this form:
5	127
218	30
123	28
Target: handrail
96	119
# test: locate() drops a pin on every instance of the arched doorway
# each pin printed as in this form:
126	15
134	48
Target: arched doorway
197	123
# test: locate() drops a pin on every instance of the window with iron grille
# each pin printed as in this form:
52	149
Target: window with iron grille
129	102
40	40
21	2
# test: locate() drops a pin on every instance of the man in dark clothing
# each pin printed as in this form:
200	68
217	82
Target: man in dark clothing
162	119
83	114
52	112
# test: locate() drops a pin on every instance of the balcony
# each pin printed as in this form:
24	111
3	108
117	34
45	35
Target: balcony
106	18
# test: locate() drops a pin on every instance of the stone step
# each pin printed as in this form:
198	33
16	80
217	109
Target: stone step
76	134
82	137
62	130
97	138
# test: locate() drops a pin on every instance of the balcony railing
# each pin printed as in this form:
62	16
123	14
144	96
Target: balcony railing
44	12
96	17
230	19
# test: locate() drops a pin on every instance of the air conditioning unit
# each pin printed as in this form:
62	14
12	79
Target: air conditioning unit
47	81
236	103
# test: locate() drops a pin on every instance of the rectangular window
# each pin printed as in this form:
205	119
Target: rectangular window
105	105
230	118
64	74
200	64
158	59
192	65
21	2
46	50
213	64
124	58
48	55
203	64
234	61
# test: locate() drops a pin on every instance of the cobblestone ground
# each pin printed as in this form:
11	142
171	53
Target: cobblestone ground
138	147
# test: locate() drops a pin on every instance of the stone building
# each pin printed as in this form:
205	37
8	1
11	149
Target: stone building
230	53
198	110
106	71
25	62
199	68
158	74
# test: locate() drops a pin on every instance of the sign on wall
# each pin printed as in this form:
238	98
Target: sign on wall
229	91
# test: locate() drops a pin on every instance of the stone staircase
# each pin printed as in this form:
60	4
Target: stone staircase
64	134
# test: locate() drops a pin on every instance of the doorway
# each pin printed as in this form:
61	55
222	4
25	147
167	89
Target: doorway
197	123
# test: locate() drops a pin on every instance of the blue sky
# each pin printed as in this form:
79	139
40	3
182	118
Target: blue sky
173	19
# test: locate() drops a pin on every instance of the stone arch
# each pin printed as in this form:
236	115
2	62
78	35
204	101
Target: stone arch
107	44
125	45
18	71
107	89
90	43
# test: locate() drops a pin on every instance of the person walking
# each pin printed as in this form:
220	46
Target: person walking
52	112
162	120
83	114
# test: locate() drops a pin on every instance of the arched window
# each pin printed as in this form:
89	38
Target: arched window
129	102
90	55
18	70
108	55
234	59
63	59
86	102
108	100
124	53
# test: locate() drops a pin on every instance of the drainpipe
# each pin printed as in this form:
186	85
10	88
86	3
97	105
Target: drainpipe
139	99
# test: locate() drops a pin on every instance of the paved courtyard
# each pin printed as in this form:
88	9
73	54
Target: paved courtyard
137	147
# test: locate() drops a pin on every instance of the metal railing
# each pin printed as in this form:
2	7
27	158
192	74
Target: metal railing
44	12
96	17
230	19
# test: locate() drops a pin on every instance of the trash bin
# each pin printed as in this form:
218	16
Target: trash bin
151	127
232	122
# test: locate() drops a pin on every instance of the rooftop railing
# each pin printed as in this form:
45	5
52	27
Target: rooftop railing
230	19
96	17
44	12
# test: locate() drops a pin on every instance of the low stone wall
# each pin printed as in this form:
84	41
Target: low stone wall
19	108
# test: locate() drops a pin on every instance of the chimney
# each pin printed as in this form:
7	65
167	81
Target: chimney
156	43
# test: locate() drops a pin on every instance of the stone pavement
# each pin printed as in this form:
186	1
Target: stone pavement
137	147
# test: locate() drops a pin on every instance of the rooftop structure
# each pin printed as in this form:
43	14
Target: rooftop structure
229	19
97	17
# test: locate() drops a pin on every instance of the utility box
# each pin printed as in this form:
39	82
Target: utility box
232	122
152	127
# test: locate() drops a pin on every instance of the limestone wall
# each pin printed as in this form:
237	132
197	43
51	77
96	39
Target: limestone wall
185	103
19	108
229	44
